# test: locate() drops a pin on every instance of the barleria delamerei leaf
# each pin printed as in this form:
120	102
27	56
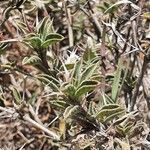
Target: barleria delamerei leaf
49	82
88	72
109	112
16	95
33	60
84	90
116	81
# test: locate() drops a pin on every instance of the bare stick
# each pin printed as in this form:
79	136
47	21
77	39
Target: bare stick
69	23
139	81
54	135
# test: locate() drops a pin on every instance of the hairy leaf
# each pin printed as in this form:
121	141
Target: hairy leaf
109	112
16	95
34	42
84	90
116	82
44	28
70	111
48	82
88	72
33	60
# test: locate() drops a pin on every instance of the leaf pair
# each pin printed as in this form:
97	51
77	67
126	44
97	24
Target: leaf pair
109	112
44	35
85	72
83	80
36	42
125	130
50	81
85	87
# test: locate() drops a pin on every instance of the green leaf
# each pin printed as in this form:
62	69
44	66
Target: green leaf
34	42
32	99
110	106
128	127
84	90
77	72
69	66
54	36
21	26
16	95
108	112
54	80
116	81
120	130
89	71
88	82
49	42
50	78
96	77
51	39
30	35
70	111
114	115
33	60
44	28
3	47
48	82
106	4
125	130
70	90
103	114
91	108
58	104
89	55
107	99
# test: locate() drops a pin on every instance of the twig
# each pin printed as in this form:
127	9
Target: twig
146	92
8	110
11	40
54	135
28	142
53	121
69	22
139	81
35	115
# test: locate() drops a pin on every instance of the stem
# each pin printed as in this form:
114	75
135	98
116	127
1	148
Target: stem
139	81
70	30
54	135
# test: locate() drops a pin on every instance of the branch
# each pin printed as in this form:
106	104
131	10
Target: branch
54	135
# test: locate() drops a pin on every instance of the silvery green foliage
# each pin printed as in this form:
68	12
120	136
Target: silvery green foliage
43	36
